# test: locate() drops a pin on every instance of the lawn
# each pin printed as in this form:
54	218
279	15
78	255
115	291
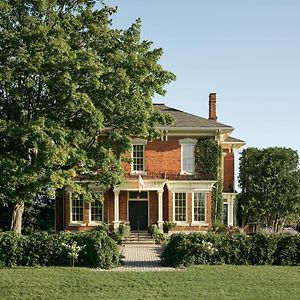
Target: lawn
199	282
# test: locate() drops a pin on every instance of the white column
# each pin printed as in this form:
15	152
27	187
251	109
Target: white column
230	211
116	221
160	210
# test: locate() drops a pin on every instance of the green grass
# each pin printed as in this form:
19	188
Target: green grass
199	282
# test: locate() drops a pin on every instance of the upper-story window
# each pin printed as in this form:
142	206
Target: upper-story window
187	156
138	156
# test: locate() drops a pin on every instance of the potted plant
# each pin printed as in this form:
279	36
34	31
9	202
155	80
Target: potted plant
168	226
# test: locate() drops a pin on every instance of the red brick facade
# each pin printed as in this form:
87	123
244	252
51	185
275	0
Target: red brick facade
162	158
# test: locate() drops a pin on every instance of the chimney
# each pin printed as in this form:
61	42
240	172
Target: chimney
212	107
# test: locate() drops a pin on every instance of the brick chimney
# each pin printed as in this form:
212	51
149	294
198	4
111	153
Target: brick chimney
213	107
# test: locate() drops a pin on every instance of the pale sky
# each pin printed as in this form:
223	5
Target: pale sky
245	51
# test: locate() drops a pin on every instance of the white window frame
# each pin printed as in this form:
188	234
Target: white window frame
196	222
141	142
185	142
181	223
73	222
95	223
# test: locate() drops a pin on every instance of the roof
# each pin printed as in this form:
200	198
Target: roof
184	119
233	140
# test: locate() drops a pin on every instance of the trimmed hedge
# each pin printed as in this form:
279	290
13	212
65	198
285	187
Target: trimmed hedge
237	249
44	249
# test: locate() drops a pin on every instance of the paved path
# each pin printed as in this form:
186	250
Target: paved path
141	258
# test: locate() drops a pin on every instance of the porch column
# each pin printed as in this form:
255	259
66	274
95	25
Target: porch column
230	211
160	210
116	221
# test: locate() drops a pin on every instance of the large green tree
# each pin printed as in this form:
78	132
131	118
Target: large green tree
270	183
67	79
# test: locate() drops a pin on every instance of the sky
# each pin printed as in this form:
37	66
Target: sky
248	52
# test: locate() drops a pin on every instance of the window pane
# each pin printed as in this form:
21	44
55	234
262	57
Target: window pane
138	157
188	160
199	207
77	210
97	211
180	207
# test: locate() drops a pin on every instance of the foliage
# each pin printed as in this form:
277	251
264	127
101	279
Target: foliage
158	236
66	77
73	251
168	225
90	249
208	164
270	183
238	249
207	158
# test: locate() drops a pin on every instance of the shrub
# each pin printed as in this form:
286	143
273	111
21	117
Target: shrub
156	234
10	249
44	249
239	249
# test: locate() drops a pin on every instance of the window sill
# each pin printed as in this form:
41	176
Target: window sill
77	224
187	173
182	223
94	223
137	173
199	224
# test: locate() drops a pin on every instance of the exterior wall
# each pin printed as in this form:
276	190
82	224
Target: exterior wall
228	171
161	156
153	207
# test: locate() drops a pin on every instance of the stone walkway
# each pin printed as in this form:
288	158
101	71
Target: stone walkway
141	258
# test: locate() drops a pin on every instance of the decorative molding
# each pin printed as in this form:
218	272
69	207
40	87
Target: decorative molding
190	186
187	141
150	185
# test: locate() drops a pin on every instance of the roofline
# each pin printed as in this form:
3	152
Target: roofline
227	128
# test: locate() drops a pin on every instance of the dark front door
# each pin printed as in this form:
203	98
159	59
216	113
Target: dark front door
138	215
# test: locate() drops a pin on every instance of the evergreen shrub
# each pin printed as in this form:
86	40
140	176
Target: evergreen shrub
237	249
44	249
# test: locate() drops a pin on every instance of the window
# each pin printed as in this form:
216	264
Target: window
199	203
138	157
96	211
187	156
77	210
180	207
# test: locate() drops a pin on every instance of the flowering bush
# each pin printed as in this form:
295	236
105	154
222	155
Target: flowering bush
73	251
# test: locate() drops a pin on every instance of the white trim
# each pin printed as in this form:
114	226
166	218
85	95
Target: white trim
185	142
136	172
181	223
95	223
76	223
190	185
150	185
199	223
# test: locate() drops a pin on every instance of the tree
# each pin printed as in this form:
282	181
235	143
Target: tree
270	183
67	78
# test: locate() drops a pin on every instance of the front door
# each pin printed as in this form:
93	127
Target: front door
138	215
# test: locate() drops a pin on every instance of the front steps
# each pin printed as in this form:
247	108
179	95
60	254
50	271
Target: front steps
138	238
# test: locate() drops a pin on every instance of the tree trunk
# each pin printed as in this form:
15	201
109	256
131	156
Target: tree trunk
16	220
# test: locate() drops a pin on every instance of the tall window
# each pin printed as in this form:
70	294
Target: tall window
96	209
180	207
77	210
138	157
199	207
187	156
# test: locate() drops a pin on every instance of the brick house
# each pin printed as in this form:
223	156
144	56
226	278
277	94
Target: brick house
160	183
